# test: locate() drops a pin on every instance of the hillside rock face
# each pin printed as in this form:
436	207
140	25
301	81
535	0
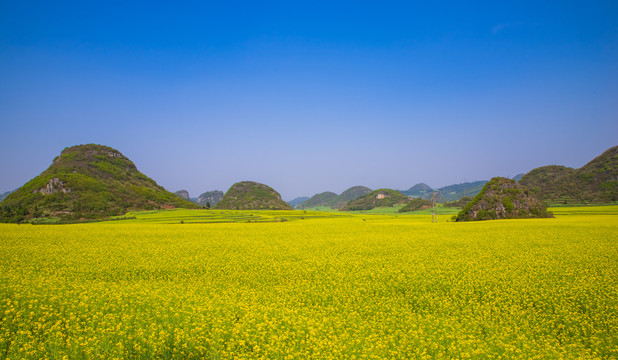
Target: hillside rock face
87	182
210	197
503	198
377	198
183	194
249	195
595	182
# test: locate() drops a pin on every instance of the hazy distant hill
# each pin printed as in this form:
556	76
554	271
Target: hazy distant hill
210	197
457	191
595	182
4	195
324	199
332	200
419	190
86	182
518	177
249	195
377	198
446	193
503	198
294	203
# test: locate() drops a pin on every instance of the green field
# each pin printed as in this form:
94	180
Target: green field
319	285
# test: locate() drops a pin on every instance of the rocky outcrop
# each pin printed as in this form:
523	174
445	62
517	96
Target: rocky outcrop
503	198
53	186
183	194
210	197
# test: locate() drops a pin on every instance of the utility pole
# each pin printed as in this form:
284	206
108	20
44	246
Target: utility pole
434	217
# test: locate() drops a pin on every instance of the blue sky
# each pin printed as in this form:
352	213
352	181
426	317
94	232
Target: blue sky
309	96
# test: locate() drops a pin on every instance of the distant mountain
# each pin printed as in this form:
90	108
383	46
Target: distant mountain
249	195
334	201
596	182
4	195
518	177
350	194
419	191
377	198
87	182
183	194
457	191
210	197
446	193
294	203
324	199
503	198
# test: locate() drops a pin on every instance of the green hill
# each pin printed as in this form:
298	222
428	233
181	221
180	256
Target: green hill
595	182
350	194
458	203
87	182
377	198
416	204
324	199
503	198
249	195
421	190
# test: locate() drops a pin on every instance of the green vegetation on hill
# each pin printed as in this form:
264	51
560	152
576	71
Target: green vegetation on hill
594	183
416	204
319	200
350	194
334	201
503	198
458	203
421	190
377	198
249	195
87	182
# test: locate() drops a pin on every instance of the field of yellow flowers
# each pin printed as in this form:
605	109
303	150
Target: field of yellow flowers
331	287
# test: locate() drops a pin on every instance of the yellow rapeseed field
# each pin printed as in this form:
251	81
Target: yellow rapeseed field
353	287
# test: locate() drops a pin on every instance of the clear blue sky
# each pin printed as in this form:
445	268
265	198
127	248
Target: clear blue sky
309	96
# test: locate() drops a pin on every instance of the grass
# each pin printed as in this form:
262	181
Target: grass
322	285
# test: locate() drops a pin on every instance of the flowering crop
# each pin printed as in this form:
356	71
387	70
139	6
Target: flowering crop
370	287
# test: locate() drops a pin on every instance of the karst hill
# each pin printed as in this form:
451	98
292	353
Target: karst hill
503	198
594	183
249	195
87	182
